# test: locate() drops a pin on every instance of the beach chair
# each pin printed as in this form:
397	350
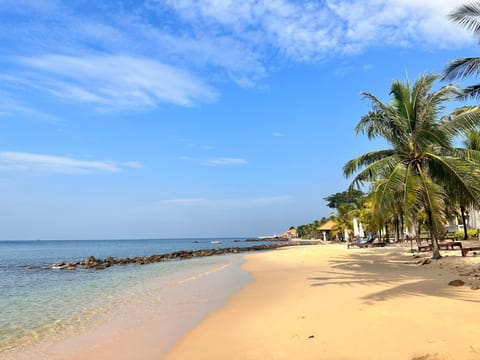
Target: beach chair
423	248
370	242
450	245
466	250
353	241
366	242
445	245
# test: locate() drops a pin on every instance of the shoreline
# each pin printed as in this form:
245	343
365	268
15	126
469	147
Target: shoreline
149	321
327	302
302	302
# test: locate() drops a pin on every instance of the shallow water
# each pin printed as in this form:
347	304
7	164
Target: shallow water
40	304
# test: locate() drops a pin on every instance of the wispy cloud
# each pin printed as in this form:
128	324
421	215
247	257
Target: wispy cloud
133	164
22	161
226	161
114	82
123	56
278	134
9	106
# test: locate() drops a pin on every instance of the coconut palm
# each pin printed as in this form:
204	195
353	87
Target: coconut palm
472	143
344	218
467	16
421	156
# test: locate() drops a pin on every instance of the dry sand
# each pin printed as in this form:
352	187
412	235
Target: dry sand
327	302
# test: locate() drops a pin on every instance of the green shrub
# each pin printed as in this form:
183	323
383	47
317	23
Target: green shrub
472	233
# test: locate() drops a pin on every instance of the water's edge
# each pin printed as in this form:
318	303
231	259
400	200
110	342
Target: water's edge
177	304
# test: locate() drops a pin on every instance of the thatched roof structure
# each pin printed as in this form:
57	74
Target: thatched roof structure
328	226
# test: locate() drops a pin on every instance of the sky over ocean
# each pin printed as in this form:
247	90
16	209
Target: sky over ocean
176	118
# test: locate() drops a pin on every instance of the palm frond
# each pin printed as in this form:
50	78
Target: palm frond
468	119
375	170
459	173
461	68
366	160
472	140
470	92
468	16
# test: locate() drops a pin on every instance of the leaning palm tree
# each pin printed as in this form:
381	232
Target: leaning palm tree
421	156
467	16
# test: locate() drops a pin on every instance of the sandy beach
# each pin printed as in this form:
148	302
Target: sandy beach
304	302
327	302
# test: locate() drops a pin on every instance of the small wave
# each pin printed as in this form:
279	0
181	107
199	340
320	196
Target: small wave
202	274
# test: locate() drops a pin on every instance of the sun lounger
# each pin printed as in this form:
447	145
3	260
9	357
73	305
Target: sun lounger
447	245
466	250
365	243
450	245
371	243
352	242
423	248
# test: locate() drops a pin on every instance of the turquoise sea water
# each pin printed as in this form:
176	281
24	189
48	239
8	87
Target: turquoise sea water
38	303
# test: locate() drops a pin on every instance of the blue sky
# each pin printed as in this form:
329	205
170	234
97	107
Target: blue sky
174	118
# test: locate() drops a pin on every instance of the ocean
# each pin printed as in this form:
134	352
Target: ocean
39	304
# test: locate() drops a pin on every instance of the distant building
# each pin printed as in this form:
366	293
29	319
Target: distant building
473	221
290	234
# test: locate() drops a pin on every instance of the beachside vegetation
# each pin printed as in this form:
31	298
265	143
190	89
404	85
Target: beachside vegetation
413	174
310	230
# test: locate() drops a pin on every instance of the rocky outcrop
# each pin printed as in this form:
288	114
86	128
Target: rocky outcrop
101	264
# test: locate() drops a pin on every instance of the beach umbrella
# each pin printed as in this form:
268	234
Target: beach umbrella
356	232
346	235
361	233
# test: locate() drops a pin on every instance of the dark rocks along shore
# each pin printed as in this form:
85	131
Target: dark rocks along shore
101	264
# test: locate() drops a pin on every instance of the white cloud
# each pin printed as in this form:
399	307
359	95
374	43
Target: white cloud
398	22
133	164
313	30
278	134
164	51
114	82
226	161
22	161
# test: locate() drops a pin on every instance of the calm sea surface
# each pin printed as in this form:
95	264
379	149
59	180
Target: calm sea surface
37	302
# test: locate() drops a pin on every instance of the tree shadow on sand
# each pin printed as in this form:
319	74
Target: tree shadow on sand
398	273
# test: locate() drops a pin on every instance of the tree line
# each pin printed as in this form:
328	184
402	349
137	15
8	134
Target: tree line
424	176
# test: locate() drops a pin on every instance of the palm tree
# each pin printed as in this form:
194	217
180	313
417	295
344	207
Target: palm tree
468	16
421	156
344	218
472	143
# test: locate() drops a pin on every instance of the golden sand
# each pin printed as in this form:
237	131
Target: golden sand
327	302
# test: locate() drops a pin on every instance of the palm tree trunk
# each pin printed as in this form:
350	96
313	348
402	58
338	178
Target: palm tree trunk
464	222
402	226
435	248
397	228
